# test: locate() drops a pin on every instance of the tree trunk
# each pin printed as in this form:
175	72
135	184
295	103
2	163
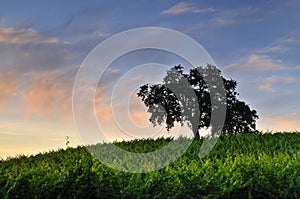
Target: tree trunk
196	135
196	132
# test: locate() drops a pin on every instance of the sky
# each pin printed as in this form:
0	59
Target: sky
43	45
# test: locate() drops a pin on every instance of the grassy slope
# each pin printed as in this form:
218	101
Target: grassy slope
241	166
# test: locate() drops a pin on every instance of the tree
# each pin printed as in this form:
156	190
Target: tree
168	107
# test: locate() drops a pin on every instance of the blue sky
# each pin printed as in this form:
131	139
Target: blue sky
42	44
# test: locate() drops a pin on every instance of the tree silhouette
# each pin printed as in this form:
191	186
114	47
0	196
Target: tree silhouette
167	106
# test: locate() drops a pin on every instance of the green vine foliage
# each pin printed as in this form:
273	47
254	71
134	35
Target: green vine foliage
239	166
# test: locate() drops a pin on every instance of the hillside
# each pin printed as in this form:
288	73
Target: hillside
241	166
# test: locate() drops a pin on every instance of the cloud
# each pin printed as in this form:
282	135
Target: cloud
286	43
81	25
10	133
37	57
103	109
102	34
102	100
8	85
255	62
280	123
234	16
138	111
49	95
292	38
184	7
267	84
220	21
272	49
25	36
109	76
28	51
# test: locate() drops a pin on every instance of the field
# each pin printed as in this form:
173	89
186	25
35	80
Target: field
239	166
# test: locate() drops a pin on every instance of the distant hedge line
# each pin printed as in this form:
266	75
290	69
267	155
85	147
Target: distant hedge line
240	166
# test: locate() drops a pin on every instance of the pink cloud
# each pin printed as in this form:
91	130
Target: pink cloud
49	95
255	63
13	36
138	111
276	122
267	84
103	109
8	85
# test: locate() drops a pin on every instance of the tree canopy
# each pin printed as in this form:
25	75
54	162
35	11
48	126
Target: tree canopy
167	106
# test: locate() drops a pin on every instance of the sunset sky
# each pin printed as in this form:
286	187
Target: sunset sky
42	45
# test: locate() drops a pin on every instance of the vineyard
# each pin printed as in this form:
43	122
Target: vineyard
239	166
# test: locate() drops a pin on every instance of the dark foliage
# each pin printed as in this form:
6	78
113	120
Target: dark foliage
169	107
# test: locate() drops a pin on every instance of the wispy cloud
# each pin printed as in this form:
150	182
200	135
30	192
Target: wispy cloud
103	109
102	100
280	122
185	7
286	43
223	17
254	63
102	34
268	84
97	34
272	49
292	38
10	133
33	54
49	94
138	111
227	17
8	85
24	36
